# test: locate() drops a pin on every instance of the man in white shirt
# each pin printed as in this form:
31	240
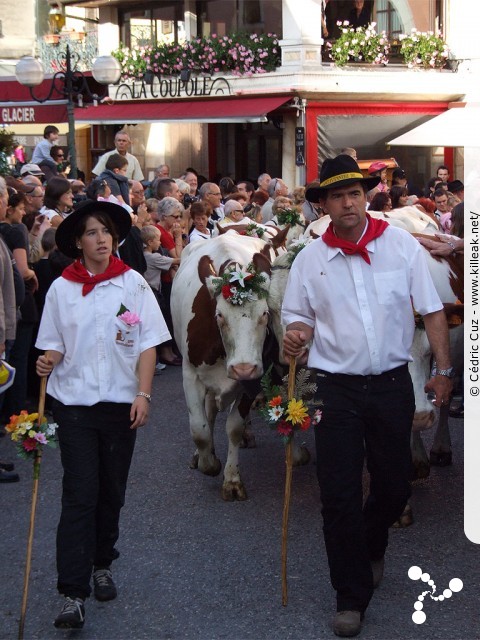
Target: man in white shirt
351	293
122	143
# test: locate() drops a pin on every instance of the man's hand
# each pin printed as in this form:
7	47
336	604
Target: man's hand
442	388
294	343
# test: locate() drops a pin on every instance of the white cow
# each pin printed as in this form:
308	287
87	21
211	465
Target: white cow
221	344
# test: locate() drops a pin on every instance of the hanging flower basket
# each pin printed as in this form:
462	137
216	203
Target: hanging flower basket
425	50
363	44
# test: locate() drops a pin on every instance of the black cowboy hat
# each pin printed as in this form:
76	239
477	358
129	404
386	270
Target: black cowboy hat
65	235
339	172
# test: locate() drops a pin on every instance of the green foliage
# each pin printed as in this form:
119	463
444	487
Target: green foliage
238	54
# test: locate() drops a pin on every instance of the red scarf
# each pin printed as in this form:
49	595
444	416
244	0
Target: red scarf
374	230
76	272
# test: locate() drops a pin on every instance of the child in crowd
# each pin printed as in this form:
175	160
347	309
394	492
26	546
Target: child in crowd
41	153
200	213
156	263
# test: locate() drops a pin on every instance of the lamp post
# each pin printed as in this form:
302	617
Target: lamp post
69	83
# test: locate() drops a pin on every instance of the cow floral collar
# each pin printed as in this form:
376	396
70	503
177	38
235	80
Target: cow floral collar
239	285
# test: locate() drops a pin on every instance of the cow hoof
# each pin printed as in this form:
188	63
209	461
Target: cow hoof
232	491
211	469
194	461
405	520
441	458
421	470
302	458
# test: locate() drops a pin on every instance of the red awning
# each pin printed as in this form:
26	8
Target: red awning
232	109
15	113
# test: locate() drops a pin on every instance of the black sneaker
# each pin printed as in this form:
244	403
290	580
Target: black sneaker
72	615
103	585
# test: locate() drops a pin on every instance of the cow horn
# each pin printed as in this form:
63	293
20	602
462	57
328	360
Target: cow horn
279	240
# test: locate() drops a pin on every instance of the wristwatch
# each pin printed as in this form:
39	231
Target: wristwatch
449	373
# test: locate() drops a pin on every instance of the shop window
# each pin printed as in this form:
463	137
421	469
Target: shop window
151	23
251	16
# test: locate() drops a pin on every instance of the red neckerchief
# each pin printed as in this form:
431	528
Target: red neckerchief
76	272
374	230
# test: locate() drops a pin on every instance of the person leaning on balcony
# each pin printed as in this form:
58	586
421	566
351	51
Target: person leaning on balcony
122	143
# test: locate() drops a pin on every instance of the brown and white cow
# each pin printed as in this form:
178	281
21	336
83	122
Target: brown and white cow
221	344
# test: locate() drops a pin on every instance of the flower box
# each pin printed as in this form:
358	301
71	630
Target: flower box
52	38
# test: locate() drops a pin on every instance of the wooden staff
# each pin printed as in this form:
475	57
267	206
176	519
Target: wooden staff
288	487
36	475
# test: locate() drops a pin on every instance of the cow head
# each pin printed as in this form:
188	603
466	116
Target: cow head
241	313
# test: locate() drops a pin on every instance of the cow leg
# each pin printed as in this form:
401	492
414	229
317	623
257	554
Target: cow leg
233	488
420	461
200	429
441	451
248	440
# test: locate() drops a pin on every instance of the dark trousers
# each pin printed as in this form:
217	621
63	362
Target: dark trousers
96	445
372	416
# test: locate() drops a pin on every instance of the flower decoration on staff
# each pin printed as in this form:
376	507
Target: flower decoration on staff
30	436
128	317
287	416
363	44
239	285
289	216
424	49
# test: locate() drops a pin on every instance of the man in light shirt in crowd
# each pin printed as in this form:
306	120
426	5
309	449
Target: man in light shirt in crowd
122	143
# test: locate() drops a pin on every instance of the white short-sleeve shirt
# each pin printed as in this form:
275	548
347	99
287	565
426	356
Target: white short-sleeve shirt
100	352
361	313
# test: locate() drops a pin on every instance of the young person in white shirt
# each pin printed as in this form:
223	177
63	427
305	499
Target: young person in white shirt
200	214
99	329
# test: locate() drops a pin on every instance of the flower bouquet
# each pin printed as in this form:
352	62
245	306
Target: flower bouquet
30	434
239	285
424	49
363	44
287	415
254	231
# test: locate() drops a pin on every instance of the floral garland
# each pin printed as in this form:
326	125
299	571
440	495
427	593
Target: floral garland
293	252
287	416
254	231
29	436
239	286
289	216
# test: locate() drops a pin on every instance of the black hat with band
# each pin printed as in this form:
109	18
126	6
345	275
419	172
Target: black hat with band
339	172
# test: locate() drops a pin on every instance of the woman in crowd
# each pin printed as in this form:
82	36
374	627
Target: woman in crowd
170	213
58	200
399	197
381	202
15	235
99	329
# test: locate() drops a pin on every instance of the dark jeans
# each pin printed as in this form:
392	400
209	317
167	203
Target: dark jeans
16	396
96	445
372	416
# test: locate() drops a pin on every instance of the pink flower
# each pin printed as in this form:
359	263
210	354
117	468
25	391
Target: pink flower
129	318
40	437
